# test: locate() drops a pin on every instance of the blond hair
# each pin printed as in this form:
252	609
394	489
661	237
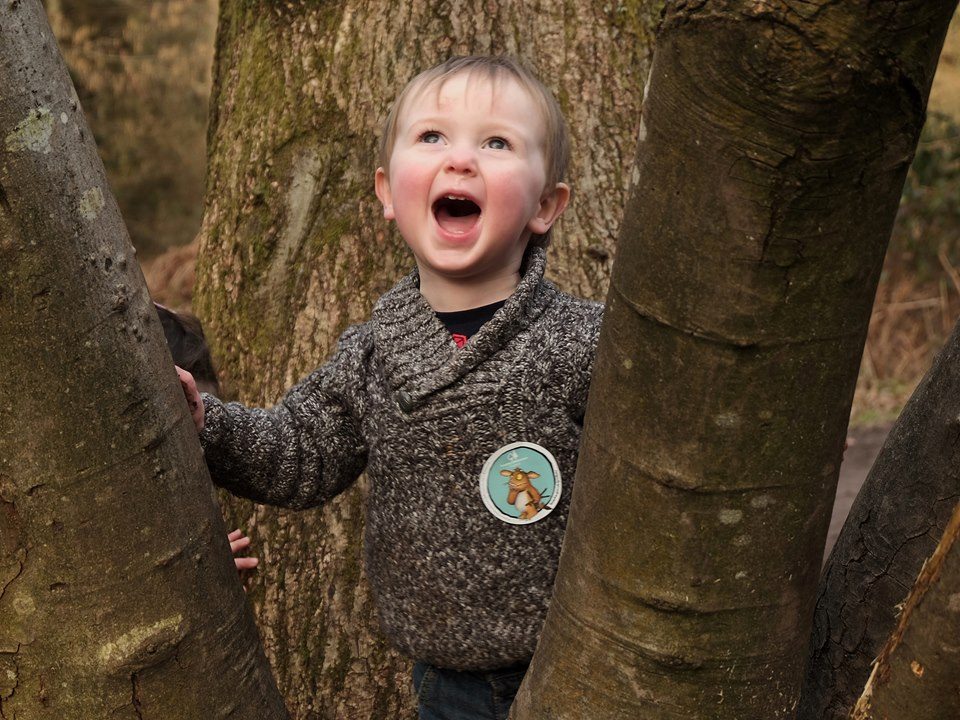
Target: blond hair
556	145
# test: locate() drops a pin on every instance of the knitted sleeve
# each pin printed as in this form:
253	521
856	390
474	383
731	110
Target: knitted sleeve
301	452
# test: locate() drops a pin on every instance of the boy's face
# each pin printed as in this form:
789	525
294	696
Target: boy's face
466	182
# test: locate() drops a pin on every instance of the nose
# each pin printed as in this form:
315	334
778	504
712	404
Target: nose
461	160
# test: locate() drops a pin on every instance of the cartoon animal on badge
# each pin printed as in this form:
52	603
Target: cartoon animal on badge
523	495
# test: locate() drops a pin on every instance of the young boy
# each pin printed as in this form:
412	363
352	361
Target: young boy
462	397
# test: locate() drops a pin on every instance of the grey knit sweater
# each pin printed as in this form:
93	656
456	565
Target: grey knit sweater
454	585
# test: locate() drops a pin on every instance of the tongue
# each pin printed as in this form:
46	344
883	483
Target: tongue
455	223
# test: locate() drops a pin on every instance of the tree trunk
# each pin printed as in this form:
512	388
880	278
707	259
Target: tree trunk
778	137
893	526
294	248
117	588
917	675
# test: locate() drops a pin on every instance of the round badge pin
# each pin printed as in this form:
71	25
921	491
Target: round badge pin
520	483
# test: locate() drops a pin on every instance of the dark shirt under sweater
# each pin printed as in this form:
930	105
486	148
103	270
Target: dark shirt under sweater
454	586
464	324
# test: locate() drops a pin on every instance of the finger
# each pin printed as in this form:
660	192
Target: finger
197	414
236	534
246	563
187	384
238	545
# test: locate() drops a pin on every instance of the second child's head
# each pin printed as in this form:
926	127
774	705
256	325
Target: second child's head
472	164
188	347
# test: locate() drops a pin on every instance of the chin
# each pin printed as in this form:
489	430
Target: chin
455	268
445	253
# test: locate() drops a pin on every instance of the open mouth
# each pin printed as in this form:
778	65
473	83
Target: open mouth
456	214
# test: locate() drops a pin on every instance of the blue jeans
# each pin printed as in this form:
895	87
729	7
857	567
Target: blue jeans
452	695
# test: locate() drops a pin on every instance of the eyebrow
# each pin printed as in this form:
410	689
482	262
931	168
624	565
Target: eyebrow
493	126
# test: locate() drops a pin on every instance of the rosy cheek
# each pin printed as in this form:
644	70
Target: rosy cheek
411	179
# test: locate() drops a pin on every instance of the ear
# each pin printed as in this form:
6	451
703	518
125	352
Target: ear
552	204
381	184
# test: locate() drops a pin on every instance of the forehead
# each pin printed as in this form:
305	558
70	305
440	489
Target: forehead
477	91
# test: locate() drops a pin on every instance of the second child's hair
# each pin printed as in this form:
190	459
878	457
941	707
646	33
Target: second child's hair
493	68
188	347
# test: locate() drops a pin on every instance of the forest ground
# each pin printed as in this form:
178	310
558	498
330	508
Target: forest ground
865	442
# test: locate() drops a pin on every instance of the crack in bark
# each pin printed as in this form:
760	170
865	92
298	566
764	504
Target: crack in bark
676	607
10	582
675	480
68	481
135	696
654	656
739	343
5	202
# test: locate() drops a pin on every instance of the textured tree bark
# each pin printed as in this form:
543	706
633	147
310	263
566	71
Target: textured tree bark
118	594
894	525
294	248
779	136
917	674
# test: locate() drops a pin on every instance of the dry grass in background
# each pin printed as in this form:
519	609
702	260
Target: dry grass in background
909	324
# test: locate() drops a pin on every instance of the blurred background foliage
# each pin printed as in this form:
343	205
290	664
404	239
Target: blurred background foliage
142	70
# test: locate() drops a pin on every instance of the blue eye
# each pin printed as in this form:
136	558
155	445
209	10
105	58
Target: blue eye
431	137
498	143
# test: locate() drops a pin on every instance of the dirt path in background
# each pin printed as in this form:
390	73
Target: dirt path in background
857	460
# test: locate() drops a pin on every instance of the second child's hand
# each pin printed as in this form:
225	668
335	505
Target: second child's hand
190	392
238	543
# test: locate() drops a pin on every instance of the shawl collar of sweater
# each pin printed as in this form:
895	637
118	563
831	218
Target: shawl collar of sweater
418	353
